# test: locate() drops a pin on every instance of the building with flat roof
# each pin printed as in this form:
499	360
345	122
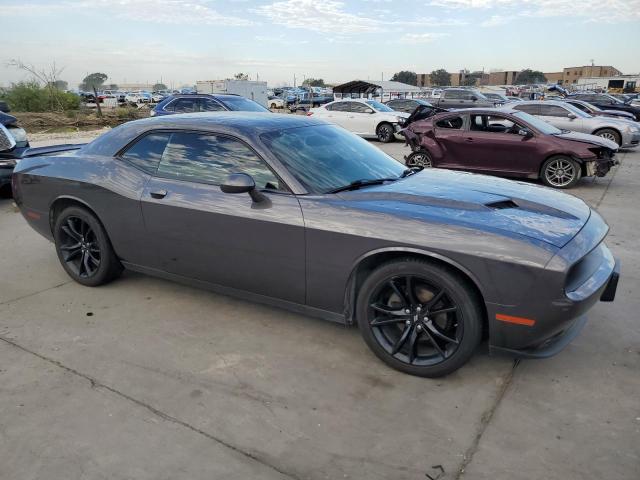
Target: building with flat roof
383	89
571	75
507	77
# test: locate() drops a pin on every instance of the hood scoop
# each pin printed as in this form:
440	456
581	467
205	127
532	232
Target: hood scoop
502	204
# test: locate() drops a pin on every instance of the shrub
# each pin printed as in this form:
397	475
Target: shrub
31	97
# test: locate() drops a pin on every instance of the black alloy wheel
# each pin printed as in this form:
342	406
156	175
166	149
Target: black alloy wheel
79	247
385	133
83	248
419	318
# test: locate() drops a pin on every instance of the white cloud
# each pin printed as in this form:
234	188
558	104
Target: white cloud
420	38
496	21
183	12
611	11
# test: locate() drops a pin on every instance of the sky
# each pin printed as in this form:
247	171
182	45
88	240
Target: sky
181	41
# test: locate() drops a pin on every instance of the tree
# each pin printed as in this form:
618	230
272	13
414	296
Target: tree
159	86
93	80
471	78
528	76
314	82
59	84
31	94
410	78
440	77
241	76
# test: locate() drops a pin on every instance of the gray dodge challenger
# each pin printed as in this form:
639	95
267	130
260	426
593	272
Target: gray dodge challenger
293	212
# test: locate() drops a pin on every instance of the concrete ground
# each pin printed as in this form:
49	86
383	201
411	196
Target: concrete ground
146	379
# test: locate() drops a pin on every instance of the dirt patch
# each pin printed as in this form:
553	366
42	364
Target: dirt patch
77	120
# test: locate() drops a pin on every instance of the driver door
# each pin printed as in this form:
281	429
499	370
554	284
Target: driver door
196	231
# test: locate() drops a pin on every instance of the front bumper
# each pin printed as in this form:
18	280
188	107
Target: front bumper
556	343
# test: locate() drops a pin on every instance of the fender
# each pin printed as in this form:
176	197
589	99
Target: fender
350	292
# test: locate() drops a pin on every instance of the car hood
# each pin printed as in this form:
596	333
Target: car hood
587	138
480	202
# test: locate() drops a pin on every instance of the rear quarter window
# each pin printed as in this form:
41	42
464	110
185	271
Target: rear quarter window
147	151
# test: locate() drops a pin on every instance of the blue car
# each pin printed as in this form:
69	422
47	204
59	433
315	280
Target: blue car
190	103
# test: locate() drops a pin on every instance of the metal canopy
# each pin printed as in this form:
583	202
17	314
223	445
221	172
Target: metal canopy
356	86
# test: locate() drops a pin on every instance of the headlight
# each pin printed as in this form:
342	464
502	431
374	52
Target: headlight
18	134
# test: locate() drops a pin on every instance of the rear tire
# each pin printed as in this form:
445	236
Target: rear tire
560	171
442	329
385	132
609	134
83	247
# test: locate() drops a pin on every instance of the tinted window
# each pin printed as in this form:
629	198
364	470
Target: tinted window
450	122
147	151
242	104
339	107
530	109
552	111
185	105
357	107
207	158
208	105
454	94
325	157
580	106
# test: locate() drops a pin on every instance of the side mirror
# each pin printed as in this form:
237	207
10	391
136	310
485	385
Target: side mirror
572	116
370	111
242	183
523	132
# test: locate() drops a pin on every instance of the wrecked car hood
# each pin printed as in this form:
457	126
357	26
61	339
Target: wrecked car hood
587	138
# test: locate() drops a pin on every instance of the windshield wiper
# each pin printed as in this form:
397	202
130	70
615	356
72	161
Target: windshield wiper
356	184
410	171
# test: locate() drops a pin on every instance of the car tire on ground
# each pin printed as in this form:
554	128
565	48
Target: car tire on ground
609	134
442	328
385	132
83	247
420	158
560	171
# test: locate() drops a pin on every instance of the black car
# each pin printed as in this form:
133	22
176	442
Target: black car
203	102
607	102
408	105
297	213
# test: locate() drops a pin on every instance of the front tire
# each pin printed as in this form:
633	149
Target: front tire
560	172
419	318
385	133
609	134
420	158
83	248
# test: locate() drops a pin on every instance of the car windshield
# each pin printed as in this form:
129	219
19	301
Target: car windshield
380	107
614	99
325	157
538	124
242	104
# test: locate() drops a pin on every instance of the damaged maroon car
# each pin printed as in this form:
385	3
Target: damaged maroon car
507	143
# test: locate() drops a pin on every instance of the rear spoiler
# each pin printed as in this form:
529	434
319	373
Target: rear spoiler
51	150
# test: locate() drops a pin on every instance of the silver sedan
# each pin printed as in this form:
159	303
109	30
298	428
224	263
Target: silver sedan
567	117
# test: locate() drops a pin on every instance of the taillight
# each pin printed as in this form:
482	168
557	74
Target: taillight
309	114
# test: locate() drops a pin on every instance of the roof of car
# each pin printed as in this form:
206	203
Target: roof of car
230	120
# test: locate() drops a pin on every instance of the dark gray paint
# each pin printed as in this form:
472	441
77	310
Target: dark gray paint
302	251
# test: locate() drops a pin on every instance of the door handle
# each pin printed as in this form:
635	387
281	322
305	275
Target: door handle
468	139
160	194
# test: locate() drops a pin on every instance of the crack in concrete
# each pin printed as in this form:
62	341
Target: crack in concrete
164	416
17	299
486	418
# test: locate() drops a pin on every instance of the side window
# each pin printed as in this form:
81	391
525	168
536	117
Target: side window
552	111
358	107
530	109
450	122
453	95
341	107
580	106
147	151
208	105
186	105
171	106
206	158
